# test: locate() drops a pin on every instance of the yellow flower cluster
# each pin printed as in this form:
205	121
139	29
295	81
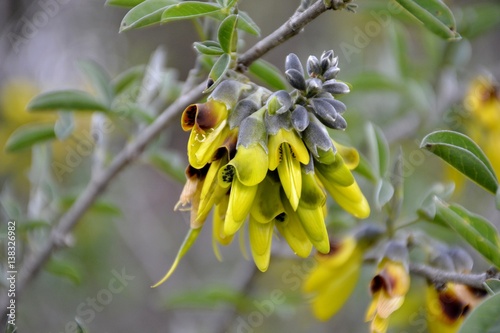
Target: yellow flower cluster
267	158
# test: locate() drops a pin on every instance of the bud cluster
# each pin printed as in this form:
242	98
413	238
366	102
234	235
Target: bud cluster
268	158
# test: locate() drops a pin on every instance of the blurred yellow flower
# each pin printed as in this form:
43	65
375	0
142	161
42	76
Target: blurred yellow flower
482	123
448	306
334	278
389	287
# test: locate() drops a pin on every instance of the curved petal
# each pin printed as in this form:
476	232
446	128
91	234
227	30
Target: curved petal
294	234
267	203
240	203
260	235
250	166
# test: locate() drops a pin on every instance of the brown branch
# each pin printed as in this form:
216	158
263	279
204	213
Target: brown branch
439	276
35	260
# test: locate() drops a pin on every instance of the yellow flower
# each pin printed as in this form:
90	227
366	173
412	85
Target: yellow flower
334	277
482	124
448	306
388	287
208	125
286	153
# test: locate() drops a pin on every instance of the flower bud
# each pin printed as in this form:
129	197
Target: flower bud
300	118
313	66
296	79
293	62
279	102
335	87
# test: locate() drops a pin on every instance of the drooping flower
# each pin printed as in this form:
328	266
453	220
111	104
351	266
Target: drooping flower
389	286
267	158
336	274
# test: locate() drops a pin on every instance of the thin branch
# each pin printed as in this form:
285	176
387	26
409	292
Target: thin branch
289	29
98	184
437	275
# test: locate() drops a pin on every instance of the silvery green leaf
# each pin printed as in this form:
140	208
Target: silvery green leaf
279	102
315	136
253	129
300	118
293	62
229	92
313	67
335	87
324	111
277	121
296	79
331	73
243	109
462	260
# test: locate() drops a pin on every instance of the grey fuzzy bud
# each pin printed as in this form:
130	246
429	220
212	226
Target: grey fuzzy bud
326	60
331	73
335	87
340	123
279	102
338	105
252	129
461	259
229	92
314	86
324	111
313	66
275	122
300	118
293	62
296	79
316	136
243	109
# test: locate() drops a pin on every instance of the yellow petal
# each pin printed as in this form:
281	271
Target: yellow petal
260	235
218	223
240	203
294	234
283	136
349	154
211	192
379	325
350	198
337	290
202	146
249	165
186	245
387	305
267	203
312	195
290	175
337	172
313	222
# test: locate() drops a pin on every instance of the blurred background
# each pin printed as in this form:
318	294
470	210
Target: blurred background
404	79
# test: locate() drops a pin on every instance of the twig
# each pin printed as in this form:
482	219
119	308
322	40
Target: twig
98	184
437	275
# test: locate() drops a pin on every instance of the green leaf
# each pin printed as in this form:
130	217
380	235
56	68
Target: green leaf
99	207
228	34
484	318
64	125
64	269
434	15
189	10
145	14
66	100
378	149
479	19
170	163
29	225
464	155
383	193
218	70
497	199
208	47
123	3
28	135
230	3
397	181
11	328
376	81
492	286
365	169
477	231
209	297
268	74
99	79
245	22
128	78
427	208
